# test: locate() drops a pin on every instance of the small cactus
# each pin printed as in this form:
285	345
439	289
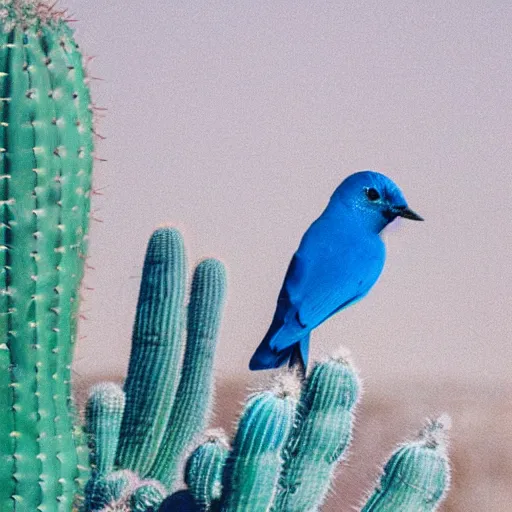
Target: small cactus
203	472
277	468
253	466
103	415
417	475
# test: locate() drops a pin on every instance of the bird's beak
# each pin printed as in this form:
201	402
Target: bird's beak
407	213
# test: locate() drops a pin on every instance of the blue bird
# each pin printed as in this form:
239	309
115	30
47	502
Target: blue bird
339	259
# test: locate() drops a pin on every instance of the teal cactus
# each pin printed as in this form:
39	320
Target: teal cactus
190	413
253	466
147	498
156	351
321	434
290	468
203	471
46	156
156	429
417	476
103	415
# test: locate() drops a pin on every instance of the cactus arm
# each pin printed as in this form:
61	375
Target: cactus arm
190	413
203	471
321	434
417	475
252	469
153	370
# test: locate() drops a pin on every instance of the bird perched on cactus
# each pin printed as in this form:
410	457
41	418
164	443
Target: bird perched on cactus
339	259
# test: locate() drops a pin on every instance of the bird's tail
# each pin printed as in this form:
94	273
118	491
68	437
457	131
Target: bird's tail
266	357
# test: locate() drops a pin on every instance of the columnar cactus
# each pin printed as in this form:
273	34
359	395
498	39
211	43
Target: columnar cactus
46	144
154	367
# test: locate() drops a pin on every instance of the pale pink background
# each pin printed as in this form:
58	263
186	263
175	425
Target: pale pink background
236	120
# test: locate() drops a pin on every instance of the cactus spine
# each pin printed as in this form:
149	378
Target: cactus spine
45	172
322	432
417	475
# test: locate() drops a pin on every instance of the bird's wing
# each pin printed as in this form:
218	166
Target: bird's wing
332	268
342	280
328	272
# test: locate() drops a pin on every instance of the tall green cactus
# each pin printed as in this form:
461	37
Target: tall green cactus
46	145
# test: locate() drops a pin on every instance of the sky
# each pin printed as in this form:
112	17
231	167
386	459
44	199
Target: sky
235	121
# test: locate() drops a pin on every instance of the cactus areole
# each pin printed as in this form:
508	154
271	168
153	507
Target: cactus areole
46	144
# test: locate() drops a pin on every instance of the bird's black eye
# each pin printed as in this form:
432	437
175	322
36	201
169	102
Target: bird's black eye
372	194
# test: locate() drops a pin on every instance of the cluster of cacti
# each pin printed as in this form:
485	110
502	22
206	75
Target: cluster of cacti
285	451
289	440
46	143
146	428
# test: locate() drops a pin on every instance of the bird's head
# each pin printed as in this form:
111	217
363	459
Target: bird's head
374	198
